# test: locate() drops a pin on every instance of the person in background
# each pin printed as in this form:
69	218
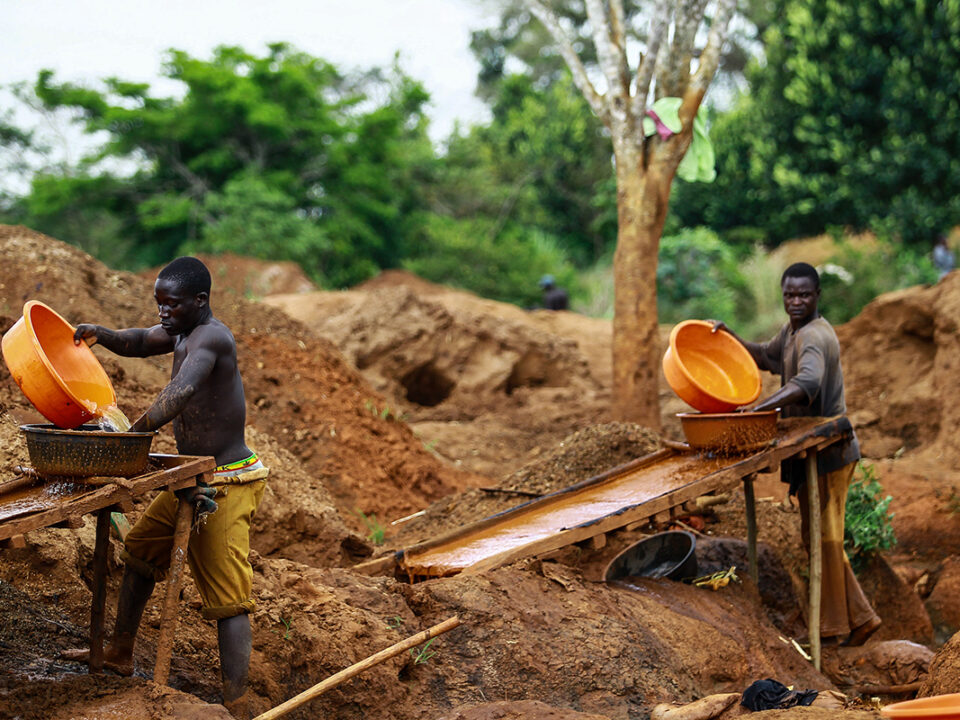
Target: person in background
554	298
943	259
806	355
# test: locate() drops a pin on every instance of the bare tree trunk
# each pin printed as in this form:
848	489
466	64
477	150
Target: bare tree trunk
641	211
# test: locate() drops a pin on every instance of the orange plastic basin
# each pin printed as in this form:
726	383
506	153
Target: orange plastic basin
64	381
939	707
710	371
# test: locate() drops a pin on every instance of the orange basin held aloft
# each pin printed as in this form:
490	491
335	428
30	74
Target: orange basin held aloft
710	371
937	707
64	381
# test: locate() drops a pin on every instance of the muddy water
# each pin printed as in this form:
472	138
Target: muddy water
26	500
571	509
112	419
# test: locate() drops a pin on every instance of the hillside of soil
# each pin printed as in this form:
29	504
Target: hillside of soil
400	396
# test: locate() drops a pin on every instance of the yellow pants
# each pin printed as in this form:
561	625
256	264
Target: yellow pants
217	552
843	605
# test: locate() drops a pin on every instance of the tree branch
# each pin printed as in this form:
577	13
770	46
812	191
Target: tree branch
565	45
675	74
662	12
710	57
606	54
618	36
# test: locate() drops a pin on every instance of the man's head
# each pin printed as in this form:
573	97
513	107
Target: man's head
182	292
547	282
800	284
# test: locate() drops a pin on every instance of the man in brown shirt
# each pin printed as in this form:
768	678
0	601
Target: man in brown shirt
806	355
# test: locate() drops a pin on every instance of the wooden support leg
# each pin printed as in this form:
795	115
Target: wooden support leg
816	556
169	615
751	509
100	548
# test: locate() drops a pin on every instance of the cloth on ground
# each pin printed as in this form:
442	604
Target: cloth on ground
772	695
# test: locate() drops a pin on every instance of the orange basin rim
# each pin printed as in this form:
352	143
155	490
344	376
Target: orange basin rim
28	320
732	400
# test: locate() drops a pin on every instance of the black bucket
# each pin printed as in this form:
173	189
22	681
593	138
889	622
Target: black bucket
668	555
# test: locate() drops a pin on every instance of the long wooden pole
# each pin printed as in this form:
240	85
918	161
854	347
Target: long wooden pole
816	556
358	668
750	504
169	616
95	662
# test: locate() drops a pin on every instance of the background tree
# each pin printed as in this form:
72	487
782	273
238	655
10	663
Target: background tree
278	156
852	121
645	165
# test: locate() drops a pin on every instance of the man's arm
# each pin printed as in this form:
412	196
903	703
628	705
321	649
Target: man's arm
172	400
755	349
134	342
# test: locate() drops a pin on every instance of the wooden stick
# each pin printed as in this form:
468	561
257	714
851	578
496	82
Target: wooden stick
816	557
169	615
358	668
95	663
750	504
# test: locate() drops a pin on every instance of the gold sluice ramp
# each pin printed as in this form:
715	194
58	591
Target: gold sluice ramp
629	494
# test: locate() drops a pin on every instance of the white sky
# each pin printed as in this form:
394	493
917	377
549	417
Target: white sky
84	40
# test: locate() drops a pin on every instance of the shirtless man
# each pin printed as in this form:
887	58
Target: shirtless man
205	401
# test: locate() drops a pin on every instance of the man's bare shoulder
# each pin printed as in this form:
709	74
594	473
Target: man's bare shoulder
214	335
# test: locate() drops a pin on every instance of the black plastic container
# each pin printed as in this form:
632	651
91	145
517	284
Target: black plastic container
664	555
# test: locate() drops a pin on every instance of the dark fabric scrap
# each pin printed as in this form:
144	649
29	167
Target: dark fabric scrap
771	695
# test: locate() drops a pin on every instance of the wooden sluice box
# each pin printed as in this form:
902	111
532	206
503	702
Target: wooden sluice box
629	495
30	504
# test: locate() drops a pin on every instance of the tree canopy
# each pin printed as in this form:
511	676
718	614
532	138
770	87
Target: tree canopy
851	121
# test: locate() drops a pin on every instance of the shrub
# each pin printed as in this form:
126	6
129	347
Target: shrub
853	277
867	526
698	277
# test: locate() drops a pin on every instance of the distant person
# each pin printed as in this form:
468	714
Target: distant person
806	355
943	259
205	402
554	298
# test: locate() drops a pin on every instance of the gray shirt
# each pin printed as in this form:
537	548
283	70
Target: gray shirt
809	358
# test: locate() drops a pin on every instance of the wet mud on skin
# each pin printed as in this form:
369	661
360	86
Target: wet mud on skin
526	383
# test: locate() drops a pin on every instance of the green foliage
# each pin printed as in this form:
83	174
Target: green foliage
698	277
867	525
473	255
423	654
853	120
376	531
277	156
853	277
538	165
386	413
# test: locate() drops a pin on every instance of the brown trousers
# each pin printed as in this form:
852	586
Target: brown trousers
843	605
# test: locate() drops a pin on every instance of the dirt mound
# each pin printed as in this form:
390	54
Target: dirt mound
300	392
944	675
518	710
249	278
483	383
900	360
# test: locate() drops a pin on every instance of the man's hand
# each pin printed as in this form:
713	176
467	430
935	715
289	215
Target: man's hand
86	333
718	325
201	497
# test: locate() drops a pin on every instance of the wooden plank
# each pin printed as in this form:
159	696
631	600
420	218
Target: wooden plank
751	512
816	557
121	492
171	599
811	433
97	604
582	532
611	474
378	566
